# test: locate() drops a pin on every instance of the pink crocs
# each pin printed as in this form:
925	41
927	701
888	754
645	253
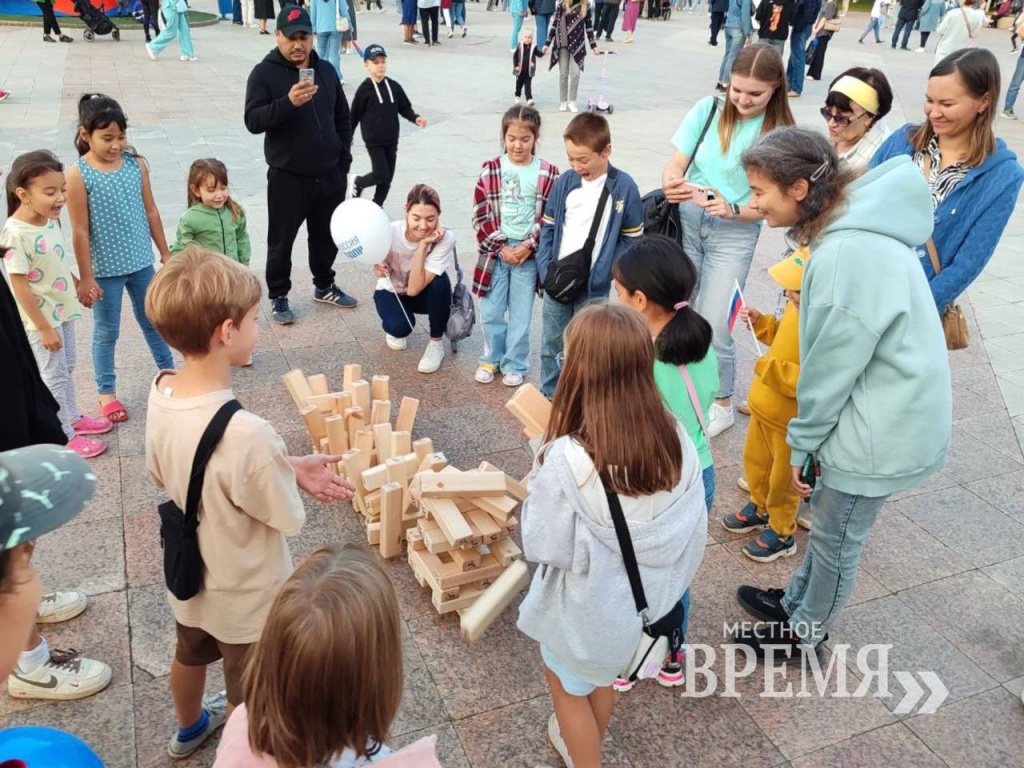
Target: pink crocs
90	426
86	447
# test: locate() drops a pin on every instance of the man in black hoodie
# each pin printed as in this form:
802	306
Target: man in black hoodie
308	148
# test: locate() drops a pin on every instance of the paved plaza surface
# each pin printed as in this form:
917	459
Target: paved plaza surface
942	578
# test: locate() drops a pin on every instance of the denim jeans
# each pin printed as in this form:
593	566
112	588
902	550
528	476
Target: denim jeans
722	250
906	27
328	47
708	476
398	312
874	23
734	40
458	14
797	67
542	20
507	343
555	319
823	583
778	45
1014	88
517	26
107	326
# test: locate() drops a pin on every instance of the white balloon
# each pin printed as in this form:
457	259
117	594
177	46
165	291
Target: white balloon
362	231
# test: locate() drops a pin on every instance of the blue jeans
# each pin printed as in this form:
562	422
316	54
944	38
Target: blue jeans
734	39
507	343
555	319
458	14
176	27
328	46
398	312
874	23
1014	88
797	67
543	20
822	585
722	250
709	497
906	27
107	326
517	25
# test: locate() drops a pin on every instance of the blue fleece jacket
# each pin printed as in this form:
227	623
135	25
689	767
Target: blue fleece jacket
970	221
740	16
625	224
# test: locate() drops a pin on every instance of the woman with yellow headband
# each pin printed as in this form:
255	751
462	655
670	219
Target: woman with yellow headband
857	103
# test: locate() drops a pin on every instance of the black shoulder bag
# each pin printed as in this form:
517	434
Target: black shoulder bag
183	565
569	278
660	639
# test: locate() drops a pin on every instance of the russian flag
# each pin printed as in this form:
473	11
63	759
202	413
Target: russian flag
735	305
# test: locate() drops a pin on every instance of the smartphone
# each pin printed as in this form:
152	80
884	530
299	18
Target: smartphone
807	473
306	76
701	195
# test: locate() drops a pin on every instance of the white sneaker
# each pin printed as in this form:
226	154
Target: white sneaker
919	50
529	102
562	106
484	375
65	677
189	58
151	52
60	606
512	380
742	484
555	737
216	706
573	107
395	343
721	419
432	357
517	101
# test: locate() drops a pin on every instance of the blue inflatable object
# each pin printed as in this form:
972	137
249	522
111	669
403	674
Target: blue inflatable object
37	746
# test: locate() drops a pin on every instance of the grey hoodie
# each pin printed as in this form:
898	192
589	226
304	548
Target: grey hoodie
580	605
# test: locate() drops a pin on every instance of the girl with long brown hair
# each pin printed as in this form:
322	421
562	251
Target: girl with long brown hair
213	218
580	607
705	177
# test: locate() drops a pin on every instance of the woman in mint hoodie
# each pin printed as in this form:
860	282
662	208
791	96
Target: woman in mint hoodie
874	397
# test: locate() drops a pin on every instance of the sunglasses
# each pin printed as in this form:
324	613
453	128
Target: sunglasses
841	120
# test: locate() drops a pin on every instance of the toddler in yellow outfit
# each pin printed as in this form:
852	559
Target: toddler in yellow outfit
773	501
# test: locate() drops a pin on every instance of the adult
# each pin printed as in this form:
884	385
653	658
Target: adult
458	17
175	28
719	9
871	356
855	109
739	28
931	14
324	17
414	277
568	48
878	16
959	29
517	9
542	11
804	16
1014	87
973	176
606	22
773	17
629	18
307	146
909	11
822	35
264	12
50	23
408	21
429	12
720	232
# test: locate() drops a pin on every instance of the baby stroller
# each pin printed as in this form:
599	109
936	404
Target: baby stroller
95	20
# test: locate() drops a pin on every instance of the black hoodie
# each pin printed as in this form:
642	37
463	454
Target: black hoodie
377	107
304	140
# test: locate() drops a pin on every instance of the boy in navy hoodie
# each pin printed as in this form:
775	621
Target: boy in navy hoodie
568	219
378	102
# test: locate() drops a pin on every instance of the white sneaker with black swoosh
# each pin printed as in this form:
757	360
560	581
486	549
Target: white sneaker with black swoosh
65	677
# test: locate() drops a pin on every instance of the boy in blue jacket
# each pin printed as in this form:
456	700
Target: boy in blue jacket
567	223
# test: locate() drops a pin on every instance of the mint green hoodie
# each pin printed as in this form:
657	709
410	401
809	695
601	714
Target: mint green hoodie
216	229
874	396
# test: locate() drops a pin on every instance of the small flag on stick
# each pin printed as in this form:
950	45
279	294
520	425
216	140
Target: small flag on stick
735	305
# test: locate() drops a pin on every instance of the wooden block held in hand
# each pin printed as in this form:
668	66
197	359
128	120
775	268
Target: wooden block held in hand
391	520
380	387
407	414
318	384
382	439
531	408
401	443
496	599
298	387
314	421
463	484
380	412
352	373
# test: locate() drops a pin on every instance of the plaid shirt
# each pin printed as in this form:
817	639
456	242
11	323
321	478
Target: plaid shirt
487	218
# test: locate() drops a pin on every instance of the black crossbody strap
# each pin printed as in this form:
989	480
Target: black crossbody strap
628	555
596	223
207	445
703	133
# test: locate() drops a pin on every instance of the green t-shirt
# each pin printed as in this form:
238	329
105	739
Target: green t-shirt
673	391
518	198
710	168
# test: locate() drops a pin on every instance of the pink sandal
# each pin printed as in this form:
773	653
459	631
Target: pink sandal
86	447
112	408
90	426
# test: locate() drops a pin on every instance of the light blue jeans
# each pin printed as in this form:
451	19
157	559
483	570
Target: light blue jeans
513	289
517	26
107	326
722	250
1015	81
176	26
708	476
734	40
874	23
328	47
542	20
822	585
555	319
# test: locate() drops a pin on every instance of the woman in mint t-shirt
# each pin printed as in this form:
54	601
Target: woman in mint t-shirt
706	178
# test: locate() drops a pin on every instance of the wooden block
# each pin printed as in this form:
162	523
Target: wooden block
380	412
355	419
314	421
514	488
466	559
531	408
360	392
382	439
498	508
484	523
422	447
449	575
380	387
355	462
337	435
506	551
401	443
325	446
407	414
318	384
391	520
468	595
434	462
298	387
342	402
463	484
414	538
451	521
497	598
364	443
352	373
323	403
418	561
374	477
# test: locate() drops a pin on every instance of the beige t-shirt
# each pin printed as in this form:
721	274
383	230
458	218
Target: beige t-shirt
250	503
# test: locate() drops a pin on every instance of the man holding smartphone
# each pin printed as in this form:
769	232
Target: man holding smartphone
295	98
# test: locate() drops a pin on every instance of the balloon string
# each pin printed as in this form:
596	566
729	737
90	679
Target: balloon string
402	306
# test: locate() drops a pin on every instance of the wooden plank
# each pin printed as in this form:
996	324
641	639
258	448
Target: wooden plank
484	523
341	401
489	568
514	488
380	412
314	421
374	477
496	599
323	403
531	408
463	484
434	462
360	392
422	447
405	464
407	414
451	521
364	443
354	421
466	559
355	462
414	538
382	439
401	443
468	595
380	387
352	373
337	435
391	520
418	561
498	508
506	551
318	384
298	387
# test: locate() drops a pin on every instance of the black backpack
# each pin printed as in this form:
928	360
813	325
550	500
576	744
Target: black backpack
661	217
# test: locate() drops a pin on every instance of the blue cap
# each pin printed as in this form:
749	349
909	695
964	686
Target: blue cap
373	51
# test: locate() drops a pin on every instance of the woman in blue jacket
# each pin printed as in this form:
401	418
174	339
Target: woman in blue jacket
542	10
324	15
974	177
931	14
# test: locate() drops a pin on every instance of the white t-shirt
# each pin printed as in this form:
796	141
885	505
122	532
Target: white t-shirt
878	9
580	209
399	259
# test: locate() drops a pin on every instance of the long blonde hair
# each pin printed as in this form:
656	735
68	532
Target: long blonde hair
568	4
764	63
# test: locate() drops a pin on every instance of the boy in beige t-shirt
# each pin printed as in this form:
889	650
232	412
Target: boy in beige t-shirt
206	306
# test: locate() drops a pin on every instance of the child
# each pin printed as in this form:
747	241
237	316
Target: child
580	607
378	102
568	220
206	305
773	501
205	221
44	287
324	684
508	205
113	219
524	66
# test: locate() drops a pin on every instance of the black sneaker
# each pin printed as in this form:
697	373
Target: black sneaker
282	313
66	39
765	604
789	648
334	296
48	39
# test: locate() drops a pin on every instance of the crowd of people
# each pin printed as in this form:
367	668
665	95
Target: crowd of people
851	354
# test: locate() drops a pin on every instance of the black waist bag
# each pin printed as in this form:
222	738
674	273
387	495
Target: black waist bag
183	566
569	278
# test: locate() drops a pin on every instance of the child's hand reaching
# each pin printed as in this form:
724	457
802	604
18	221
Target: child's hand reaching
316	479
749	315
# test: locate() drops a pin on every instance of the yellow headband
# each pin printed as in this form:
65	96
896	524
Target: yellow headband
858	91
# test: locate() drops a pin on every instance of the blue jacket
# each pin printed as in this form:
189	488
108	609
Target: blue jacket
741	16
625	224
323	15
970	221
805	14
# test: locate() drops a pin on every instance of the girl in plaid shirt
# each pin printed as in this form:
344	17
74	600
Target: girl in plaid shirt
508	204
